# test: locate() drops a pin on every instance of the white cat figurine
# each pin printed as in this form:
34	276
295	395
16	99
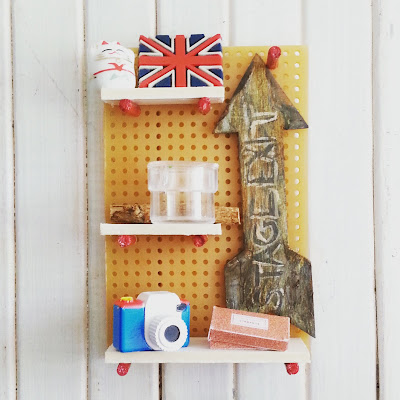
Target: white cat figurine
112	65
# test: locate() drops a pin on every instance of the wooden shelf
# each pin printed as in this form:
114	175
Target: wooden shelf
198	351
175	95
161	229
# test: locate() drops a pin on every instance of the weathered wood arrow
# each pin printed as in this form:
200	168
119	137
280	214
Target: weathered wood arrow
267	276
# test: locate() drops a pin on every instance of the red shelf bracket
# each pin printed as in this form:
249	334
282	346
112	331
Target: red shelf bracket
204	105
129	107
292	368
123	368
126	240
199	240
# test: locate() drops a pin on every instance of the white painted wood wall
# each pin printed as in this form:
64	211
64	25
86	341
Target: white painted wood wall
52	308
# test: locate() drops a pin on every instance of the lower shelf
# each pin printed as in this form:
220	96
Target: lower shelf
198	351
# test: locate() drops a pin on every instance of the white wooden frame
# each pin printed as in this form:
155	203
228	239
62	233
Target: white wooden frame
52	319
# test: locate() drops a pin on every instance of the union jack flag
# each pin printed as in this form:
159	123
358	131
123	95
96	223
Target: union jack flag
180	62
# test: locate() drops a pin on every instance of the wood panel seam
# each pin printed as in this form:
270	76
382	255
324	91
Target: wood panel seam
14	205
85	122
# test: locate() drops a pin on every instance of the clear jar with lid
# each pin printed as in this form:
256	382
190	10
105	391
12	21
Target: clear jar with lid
182	191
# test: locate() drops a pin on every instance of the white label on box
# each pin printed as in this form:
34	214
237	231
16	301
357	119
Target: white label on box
249	322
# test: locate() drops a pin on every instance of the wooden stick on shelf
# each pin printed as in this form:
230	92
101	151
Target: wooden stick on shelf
130	213
140	214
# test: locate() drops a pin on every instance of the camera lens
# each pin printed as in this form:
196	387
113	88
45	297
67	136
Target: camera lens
172	333
167	333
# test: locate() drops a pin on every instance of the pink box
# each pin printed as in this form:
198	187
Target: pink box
230	346
242	329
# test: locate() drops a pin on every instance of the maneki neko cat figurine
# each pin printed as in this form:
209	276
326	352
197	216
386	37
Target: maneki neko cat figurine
112	65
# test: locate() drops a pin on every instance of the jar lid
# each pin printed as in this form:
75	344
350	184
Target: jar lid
182	176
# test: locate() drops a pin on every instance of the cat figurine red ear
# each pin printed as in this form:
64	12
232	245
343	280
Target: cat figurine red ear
112	65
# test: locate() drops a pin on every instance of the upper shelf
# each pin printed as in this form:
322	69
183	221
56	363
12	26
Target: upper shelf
161	229
198	351
174	95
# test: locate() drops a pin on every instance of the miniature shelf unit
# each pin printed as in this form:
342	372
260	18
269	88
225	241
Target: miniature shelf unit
160	229
156	96
198	351
168	130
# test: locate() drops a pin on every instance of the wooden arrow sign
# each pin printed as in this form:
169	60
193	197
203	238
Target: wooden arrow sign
267	276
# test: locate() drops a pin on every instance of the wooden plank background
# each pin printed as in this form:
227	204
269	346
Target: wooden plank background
340	199
50	199
7	236
52	331
387	191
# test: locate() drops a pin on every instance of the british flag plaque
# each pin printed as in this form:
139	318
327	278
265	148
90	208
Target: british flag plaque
193	61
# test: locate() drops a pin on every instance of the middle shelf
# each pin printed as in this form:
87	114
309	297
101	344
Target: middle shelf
185	229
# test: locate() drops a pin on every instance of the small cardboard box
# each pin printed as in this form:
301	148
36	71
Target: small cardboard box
241	329
229	346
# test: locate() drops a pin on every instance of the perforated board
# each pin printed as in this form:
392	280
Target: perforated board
180	132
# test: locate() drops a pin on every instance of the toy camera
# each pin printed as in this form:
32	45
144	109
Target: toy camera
154	321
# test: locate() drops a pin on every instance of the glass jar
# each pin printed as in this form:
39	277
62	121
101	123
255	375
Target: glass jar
182	191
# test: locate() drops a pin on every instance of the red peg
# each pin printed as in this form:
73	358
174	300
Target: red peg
200	240
274	53
123	368
126	240
204	105
292	368
129	107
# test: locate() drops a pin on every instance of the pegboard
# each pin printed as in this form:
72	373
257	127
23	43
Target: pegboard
180	132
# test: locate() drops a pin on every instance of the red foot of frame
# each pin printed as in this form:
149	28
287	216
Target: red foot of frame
273	57
129	107
123	368
199	240
126	240
204	105
292	368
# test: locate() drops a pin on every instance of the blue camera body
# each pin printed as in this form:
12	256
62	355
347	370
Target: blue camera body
138	328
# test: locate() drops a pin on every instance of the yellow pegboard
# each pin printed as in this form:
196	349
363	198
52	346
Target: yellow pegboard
180	132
